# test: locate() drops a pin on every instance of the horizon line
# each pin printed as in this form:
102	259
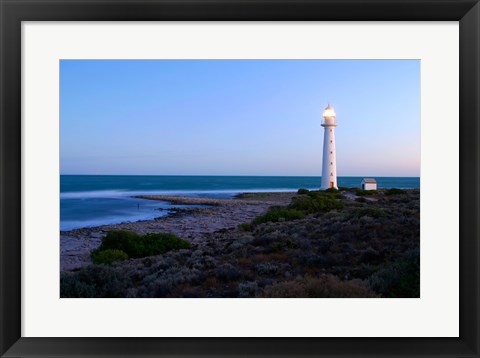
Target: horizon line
241	175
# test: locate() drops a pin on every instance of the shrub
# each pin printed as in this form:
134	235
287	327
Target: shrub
108	256
361	192
227	272
331	190
399	279
94	281
370	255
245	227
241	241
315	202
285	289
247	289
324	286
303	191
72	286
126	241
136	246
331	286
331	193
395	191
278	214
372	212
267	268
159	243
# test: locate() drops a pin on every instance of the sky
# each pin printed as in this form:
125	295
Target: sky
238	117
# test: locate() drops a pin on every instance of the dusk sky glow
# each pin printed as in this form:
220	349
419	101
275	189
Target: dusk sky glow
238	117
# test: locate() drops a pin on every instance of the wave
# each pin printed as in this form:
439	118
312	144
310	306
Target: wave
94	194
67	225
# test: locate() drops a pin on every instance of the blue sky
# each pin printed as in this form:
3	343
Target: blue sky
238	117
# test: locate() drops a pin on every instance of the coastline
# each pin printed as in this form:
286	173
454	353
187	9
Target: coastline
192	224
347	243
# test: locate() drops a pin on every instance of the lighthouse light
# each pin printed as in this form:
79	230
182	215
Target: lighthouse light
329	112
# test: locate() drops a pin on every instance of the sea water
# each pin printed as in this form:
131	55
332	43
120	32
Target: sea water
92	200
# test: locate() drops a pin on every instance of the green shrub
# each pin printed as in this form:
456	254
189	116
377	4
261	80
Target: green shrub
361	192
278	214
159	243
135	245
245	227
303	191
395	191
315	202
330	193
126	241
331	190
108	256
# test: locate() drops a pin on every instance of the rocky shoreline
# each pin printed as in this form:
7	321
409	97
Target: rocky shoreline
192	224
347	243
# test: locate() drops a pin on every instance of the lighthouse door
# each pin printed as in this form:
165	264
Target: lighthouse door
331	184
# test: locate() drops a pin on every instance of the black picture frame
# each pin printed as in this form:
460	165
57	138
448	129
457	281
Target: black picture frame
13	12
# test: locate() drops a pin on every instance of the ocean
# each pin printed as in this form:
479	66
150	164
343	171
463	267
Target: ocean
92	200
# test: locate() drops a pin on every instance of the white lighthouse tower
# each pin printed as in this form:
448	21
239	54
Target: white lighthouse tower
329	169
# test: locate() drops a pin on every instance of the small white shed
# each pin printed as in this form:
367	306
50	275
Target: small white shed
369	184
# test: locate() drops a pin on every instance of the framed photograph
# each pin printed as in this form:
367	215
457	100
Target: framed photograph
239	178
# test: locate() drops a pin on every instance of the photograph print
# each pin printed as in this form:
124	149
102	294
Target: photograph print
239	179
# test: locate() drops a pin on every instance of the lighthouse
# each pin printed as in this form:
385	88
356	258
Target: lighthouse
329	168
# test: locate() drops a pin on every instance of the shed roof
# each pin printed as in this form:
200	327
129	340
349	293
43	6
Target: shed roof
369	180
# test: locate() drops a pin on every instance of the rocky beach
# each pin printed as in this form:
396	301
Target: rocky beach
192	224
346	243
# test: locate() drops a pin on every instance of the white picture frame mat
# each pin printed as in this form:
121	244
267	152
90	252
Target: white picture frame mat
435	314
